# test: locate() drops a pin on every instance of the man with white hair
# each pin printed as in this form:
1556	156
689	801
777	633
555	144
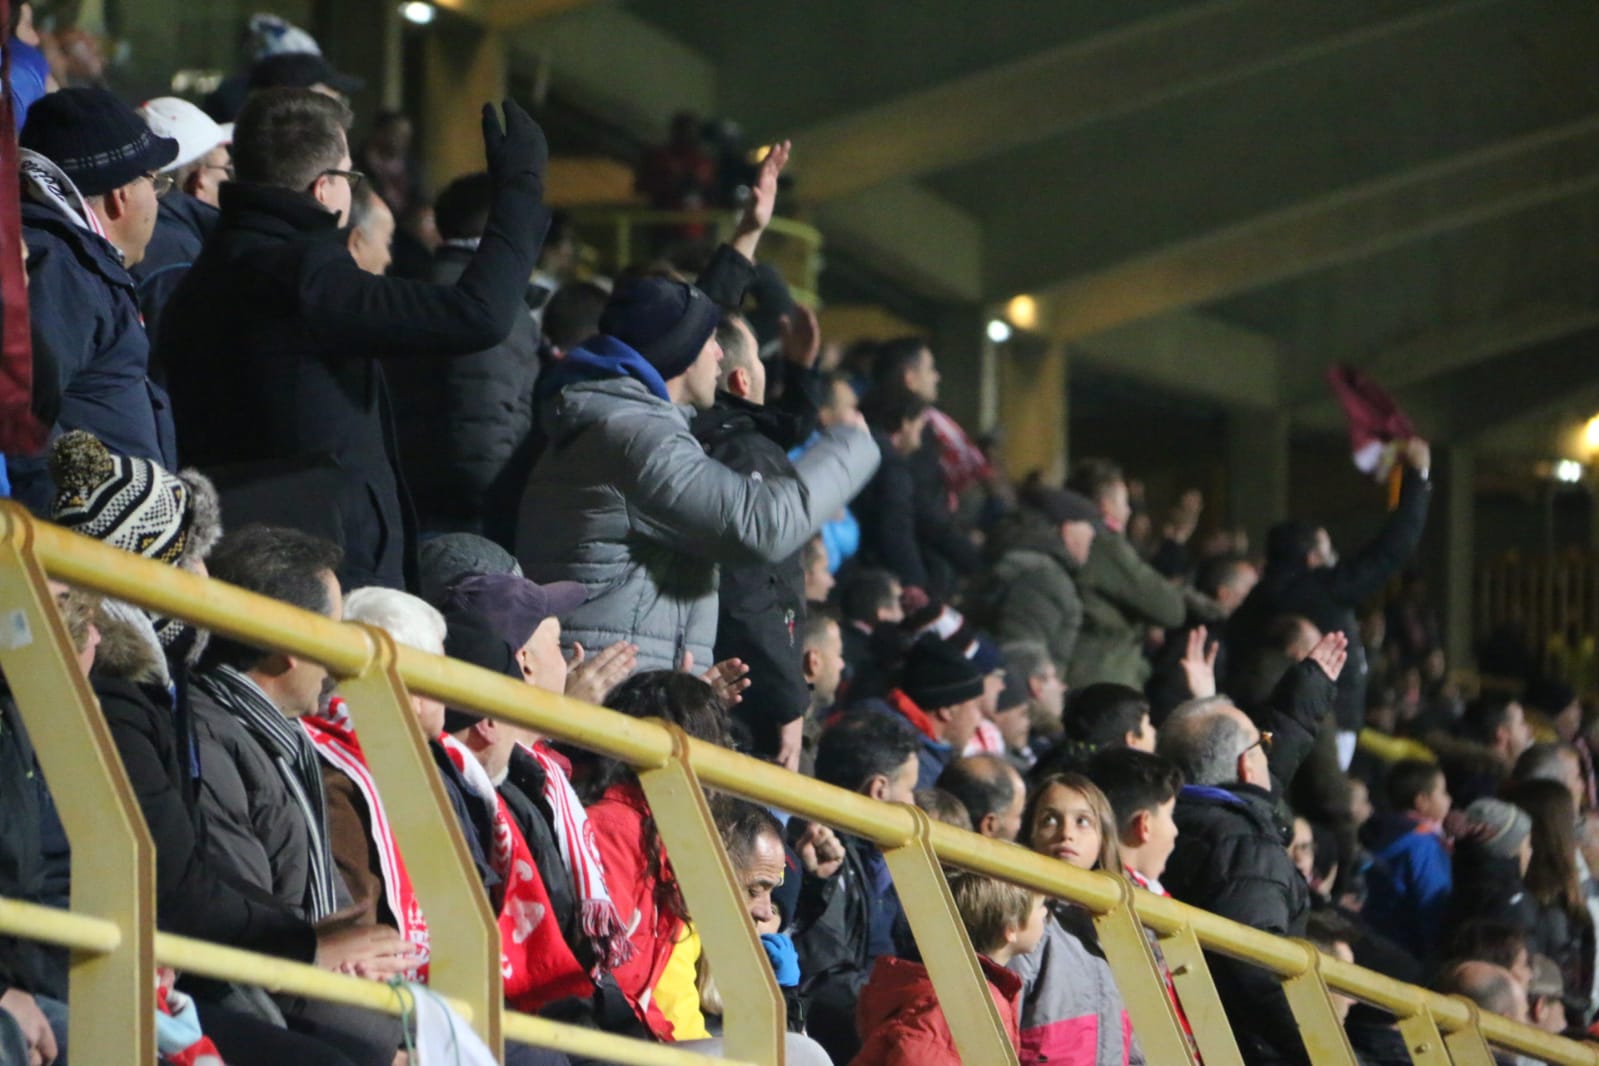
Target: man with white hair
188	213
1230	856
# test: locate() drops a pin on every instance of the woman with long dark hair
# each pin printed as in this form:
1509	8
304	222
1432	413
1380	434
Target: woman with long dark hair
637	870
1564	930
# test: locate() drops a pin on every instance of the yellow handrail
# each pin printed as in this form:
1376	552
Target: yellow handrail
348	651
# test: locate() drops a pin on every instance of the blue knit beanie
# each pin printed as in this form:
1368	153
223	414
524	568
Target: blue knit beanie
97	140
665	321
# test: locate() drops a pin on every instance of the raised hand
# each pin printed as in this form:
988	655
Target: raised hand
820	851
729	678
592	679
1330	653
1199	664
763	198
802	339
517	150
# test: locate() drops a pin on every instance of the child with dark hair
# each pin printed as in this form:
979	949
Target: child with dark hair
1409	882
1103	715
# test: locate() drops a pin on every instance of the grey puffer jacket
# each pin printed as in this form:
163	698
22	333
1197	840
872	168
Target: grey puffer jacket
625	500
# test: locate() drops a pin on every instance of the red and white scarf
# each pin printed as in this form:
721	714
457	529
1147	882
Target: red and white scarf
335	742
581	854
535	960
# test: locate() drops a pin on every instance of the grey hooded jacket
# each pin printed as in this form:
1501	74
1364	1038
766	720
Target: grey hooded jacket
625	500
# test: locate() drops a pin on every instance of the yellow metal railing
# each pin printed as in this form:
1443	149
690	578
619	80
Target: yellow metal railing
624	236
114	945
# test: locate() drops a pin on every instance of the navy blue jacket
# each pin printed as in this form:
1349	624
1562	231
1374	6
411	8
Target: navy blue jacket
85	310
182	226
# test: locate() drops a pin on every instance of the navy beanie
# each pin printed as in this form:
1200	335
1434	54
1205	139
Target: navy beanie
936	675
98	141
665	321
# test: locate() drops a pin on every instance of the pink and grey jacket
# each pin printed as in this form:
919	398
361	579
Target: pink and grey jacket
1071	1011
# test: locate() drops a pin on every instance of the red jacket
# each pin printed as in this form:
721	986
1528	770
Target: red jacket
901	1023
618	824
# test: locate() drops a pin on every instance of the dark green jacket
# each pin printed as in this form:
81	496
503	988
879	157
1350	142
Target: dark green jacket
1122	597
1029	593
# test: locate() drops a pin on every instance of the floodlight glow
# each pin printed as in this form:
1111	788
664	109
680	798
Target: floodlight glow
417	12
1568	471
999	330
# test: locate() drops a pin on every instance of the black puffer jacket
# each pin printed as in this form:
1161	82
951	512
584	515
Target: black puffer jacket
1329	596
1231	859
463	426
761	606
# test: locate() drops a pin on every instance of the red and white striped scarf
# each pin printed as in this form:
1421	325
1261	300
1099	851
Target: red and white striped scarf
336	744
536	962
601	922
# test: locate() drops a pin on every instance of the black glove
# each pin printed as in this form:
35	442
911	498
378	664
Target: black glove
519	150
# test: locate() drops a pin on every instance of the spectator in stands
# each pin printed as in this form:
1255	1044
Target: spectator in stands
841	535
679	175
1553	760
464	425
848	907
1142	790
761	604
1546	993
135	505
1071	1009
1493	734
1334	936
302	70
1226	813
1030	593
1409	883
571	316
1227	581
187	214
819	580
940	693
1488	986
371	230
944	807
306	373
886	508
1031	663
1491	856
1103	715
869	602
1563	928
991	791
91	186
822	663
1305	576
1012	719
1122	594
605	505
637	869
899	1017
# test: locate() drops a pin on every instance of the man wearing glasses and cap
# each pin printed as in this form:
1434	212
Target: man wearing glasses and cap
90	178
1231	856
273	344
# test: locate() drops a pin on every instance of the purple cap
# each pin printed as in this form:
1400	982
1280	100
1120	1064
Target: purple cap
513	606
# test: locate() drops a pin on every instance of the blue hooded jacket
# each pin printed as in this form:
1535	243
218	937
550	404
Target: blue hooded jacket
1409	883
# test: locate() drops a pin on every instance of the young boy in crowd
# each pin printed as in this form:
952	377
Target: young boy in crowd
1142	789
1409	883
900	1021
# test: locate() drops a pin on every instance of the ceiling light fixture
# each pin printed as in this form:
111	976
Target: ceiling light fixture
417	12
999	330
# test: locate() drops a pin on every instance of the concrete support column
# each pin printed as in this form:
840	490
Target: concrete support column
1257	471
1034	408
1460	553
465	66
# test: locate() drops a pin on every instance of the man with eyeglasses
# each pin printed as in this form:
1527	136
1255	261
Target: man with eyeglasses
188	212
1231	856
90	171
274	342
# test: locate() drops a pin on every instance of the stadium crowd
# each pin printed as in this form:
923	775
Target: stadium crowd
317	381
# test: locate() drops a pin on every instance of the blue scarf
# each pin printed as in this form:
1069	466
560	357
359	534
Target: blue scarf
599	358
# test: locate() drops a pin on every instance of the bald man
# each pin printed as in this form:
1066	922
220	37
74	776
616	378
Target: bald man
992	792
1492	988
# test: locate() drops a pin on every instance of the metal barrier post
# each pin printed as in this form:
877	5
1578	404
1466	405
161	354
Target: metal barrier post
113	862
1319	1026
755	1017
1423	1040
1467	1046
947	951
1140	981
1196	991
464	937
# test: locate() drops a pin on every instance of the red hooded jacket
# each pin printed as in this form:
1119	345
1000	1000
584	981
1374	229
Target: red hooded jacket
902	1024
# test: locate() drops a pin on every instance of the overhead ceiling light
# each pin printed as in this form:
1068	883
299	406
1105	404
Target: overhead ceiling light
1568	471
417	12
1023	310
999	330
1590	434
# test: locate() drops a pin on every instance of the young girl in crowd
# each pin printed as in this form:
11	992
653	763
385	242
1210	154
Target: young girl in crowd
1072	1012
1562	929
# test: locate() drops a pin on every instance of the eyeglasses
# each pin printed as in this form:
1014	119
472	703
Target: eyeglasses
1264	744
161	183
354	177
226	168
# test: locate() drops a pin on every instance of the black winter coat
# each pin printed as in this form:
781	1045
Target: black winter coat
1329	596
464	424
761	606
1230	859
182	226
832	932
886	510
24	964
275	340
195	895
947	553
